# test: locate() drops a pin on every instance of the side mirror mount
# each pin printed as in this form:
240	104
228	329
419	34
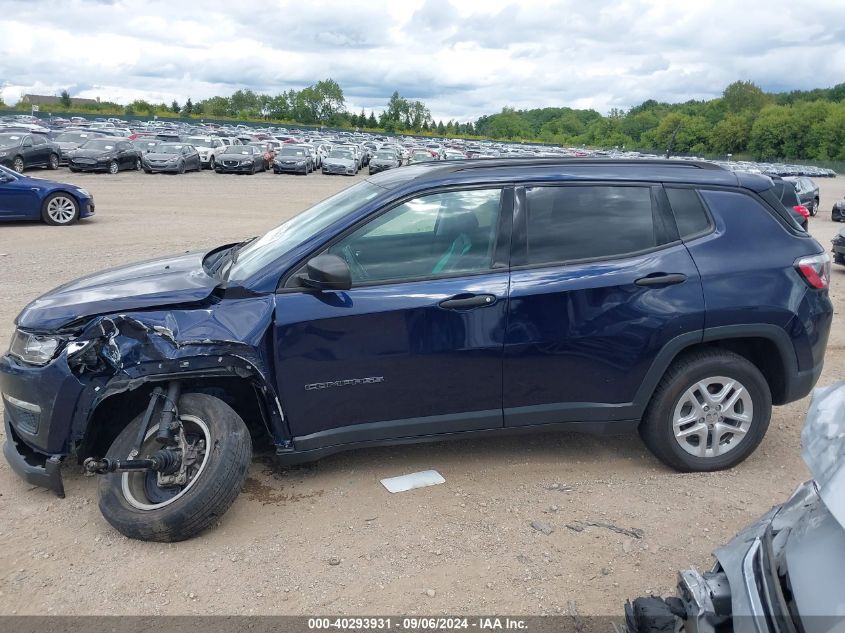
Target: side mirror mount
326	272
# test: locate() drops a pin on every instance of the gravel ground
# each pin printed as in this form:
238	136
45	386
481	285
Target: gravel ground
328	538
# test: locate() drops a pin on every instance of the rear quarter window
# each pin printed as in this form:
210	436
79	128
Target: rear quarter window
690	215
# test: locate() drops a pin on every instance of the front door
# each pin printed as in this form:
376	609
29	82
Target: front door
415	347
17	200
601	286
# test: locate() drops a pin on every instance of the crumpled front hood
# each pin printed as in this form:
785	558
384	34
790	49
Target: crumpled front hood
158	282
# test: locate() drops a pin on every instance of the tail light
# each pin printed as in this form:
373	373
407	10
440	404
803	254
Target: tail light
815	270
802	210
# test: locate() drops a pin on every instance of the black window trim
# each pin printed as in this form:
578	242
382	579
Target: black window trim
662	225
499	262
711	226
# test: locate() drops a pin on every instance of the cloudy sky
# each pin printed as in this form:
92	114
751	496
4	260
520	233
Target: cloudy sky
463	58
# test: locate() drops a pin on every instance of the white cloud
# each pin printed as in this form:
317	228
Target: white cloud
463	58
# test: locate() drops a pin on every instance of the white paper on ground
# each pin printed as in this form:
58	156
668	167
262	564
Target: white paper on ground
414	480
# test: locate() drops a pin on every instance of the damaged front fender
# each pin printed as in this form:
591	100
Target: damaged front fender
118	353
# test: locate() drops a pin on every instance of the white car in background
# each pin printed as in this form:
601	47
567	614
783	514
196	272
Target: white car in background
209	148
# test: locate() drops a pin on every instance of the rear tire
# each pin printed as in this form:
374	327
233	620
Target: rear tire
53	163
674	443
207	496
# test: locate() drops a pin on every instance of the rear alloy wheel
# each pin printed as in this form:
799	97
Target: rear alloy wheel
211	163
709	412
217	451
18	164
54	162
138	164
113	167
60	209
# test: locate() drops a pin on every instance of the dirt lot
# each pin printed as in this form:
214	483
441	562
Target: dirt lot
463	547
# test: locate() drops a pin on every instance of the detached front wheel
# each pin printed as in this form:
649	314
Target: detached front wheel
218	451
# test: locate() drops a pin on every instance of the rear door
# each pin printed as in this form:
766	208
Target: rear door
40	150
602	291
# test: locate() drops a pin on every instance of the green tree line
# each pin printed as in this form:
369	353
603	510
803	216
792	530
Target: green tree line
743	120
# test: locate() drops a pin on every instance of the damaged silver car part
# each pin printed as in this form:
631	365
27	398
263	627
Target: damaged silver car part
785	572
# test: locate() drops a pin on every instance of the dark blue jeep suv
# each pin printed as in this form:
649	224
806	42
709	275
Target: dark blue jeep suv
439	300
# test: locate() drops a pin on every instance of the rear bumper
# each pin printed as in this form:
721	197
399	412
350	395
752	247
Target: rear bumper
35	468
801	383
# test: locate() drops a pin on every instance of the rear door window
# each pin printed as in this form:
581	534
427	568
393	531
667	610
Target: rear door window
570	223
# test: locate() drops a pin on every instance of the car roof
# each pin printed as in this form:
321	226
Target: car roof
569	169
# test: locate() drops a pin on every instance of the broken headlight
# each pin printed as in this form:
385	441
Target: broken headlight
35	349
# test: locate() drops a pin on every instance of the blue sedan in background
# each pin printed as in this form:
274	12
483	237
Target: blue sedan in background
26	198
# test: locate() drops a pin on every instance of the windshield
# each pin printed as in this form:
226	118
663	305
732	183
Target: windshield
246	150
98	144
386	155
300	228
287	150
73	137
10	140
339	154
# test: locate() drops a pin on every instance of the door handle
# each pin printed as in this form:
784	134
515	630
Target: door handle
661	279
462	303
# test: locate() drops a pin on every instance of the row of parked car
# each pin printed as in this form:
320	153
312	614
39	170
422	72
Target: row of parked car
212	140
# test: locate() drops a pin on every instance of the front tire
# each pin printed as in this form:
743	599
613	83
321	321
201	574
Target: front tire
18	164
53	163
60	209
113	167
138	508
709	412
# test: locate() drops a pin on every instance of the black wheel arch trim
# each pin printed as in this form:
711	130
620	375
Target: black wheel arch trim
768	331
220	365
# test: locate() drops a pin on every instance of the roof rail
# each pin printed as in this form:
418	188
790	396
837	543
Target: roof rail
477	163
